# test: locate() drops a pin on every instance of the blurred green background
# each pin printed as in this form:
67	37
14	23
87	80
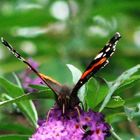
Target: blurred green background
56	33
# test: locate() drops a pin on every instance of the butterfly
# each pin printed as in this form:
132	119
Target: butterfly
66	97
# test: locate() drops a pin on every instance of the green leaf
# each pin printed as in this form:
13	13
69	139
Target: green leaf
15	127
47	94
113	86
132	101
17	80
115	135
132	112
96	92
111	118
76	74
39	87
14	137
129	81
116	101
26	107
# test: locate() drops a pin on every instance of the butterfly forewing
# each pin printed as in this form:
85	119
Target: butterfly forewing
97	63
52	84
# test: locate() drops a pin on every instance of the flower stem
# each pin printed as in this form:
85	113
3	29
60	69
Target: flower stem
115	135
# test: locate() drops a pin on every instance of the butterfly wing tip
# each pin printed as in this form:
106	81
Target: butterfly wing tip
118	35
2	40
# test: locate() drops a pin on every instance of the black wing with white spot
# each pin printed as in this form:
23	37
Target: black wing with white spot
51	83
98	62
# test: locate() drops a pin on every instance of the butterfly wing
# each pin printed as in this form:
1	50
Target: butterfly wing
51	83
97	63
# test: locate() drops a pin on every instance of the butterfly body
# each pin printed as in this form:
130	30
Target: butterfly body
67	98
64	99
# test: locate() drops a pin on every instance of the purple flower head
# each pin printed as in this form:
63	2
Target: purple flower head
86	126
27	79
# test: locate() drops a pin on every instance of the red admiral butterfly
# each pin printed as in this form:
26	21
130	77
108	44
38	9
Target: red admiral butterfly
66	97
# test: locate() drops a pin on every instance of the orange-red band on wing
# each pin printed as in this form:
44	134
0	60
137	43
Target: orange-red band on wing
49	79
92	68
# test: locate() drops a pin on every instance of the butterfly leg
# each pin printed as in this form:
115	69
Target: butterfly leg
48	114
78	110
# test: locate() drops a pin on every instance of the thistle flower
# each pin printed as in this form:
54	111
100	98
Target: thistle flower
86	126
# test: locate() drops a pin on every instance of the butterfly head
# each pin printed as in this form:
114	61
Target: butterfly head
65	101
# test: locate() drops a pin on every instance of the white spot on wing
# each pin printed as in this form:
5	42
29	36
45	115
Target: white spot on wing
99	55
117	35
111	54
107	49
16	54
114	48
104	55
107	61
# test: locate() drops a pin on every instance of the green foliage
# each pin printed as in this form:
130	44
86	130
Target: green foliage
14	137
26	106
102	91
96	92
132	112
76	74
32	28
14	127
118	82
115	101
